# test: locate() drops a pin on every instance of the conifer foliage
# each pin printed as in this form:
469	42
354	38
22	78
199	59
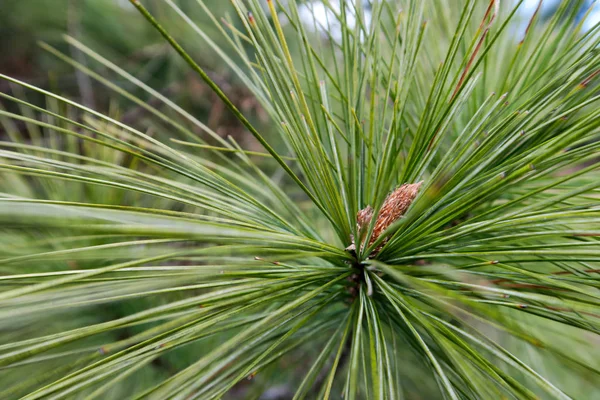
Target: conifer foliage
422	221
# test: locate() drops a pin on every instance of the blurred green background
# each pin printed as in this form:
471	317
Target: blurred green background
116	31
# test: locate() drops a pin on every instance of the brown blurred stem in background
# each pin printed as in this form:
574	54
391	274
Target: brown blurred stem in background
83	81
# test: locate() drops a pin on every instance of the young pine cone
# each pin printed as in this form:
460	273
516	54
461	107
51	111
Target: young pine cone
394	207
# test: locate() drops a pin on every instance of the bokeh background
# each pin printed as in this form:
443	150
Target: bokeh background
116	31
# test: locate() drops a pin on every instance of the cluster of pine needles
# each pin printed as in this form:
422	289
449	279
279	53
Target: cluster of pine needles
422	222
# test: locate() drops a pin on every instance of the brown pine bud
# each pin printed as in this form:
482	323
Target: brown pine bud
394	207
